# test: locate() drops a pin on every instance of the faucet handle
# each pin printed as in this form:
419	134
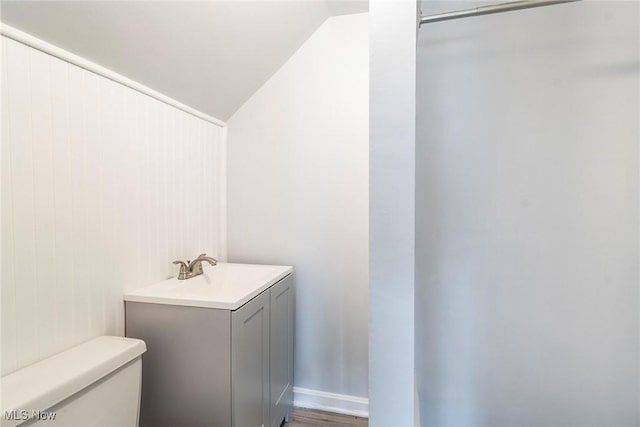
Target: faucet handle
191	264
183	270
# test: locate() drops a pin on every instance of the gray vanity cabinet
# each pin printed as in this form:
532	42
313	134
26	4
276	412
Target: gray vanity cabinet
262	348
281	351
215	367
250	362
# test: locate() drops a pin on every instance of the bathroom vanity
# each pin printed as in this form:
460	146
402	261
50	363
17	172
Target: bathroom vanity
219	347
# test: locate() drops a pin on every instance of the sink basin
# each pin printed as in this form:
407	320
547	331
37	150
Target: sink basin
225	286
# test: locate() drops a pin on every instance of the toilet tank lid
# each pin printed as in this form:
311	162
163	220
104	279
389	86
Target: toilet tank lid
48	382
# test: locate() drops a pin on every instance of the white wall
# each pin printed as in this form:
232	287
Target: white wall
102	187
527	217
297	186
392	209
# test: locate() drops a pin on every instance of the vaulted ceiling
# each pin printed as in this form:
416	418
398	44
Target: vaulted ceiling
210	55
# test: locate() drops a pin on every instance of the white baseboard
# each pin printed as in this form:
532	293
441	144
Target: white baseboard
331	402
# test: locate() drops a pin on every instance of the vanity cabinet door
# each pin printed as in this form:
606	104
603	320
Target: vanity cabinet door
281	351
250	363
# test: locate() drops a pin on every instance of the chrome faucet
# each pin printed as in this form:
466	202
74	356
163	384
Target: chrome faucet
193	268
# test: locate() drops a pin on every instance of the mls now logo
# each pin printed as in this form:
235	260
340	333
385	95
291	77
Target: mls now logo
23	415
16	415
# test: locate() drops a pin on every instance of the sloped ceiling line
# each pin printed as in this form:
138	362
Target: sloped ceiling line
62	54
209	55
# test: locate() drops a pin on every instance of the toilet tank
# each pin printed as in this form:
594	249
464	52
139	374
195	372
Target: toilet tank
96	383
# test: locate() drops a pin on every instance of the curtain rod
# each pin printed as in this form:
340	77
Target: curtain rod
487	10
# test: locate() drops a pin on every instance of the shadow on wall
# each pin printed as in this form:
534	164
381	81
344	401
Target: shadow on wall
298	194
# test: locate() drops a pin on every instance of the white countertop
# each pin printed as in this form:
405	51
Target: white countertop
225	286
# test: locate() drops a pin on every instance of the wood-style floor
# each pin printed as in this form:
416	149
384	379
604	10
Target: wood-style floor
310	418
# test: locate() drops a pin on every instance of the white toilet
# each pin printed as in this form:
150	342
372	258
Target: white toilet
96	383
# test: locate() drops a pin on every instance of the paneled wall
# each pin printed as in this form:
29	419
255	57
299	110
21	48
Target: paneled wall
102	188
